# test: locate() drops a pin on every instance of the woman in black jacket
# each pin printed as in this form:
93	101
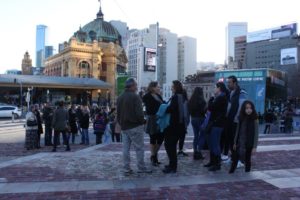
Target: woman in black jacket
177	125
197	107
152	101
218	109
72	122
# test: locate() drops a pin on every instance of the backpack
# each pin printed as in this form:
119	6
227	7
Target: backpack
100	124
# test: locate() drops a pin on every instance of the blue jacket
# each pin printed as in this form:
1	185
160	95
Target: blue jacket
163	118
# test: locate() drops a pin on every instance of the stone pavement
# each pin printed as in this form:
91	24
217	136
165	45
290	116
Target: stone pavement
95	173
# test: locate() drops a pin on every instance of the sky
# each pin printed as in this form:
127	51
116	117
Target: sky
205	20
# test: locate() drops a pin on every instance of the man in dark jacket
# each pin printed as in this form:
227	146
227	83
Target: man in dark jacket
131	117
47	117
60	123
236	98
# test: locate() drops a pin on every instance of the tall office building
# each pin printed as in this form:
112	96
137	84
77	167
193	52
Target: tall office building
233	30
123	30
187	57
41	40
142	43
48	51
168	57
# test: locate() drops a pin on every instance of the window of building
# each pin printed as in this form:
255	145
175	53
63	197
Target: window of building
104	67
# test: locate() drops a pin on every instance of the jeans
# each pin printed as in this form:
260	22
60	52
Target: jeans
214	141
56	138
267	128
199	138
85	136
136	138
73	135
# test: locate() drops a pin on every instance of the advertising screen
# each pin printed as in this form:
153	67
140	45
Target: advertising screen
288	56
150	60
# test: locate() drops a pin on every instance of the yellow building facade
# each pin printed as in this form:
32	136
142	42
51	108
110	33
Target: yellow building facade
95	51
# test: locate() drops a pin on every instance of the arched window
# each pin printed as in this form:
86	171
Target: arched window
84	68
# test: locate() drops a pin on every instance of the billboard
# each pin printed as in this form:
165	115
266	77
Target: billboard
273	33
150	60
288	56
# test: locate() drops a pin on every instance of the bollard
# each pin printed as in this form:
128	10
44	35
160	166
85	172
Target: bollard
13	117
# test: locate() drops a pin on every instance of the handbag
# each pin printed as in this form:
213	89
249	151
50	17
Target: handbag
31	123
151	125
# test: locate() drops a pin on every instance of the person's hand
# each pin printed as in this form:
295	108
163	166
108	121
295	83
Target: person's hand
234	147
254	150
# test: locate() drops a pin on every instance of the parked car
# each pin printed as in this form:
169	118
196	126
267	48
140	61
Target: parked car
9	111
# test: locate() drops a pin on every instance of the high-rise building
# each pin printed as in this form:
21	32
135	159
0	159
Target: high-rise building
48	51
233	30
27	64
41	40
123	30
168	57
187	57
240	44
141	43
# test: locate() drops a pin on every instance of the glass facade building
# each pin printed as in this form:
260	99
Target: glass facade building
41	39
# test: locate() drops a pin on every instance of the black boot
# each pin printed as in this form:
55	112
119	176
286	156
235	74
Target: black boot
152	158
198	156
210	163
216	164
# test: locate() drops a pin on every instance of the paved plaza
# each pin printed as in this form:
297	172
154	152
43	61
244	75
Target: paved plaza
95	172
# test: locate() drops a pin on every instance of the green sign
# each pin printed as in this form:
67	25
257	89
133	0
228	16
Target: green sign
242	75
121	84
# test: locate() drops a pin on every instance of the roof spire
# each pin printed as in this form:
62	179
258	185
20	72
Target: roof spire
100	14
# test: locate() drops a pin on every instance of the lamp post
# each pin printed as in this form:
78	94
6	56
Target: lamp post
48	96
99	96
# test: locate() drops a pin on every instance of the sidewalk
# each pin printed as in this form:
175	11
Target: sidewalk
95	173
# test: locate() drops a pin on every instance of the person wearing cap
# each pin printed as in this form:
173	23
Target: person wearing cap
130	116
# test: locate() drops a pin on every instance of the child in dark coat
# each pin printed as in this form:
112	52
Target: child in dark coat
246	136
100	123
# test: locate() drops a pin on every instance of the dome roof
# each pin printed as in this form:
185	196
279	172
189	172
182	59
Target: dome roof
99	30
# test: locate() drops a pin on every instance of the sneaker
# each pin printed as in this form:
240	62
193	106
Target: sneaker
169	171
240	164
185	154
127	171
224	157
144	171
180	153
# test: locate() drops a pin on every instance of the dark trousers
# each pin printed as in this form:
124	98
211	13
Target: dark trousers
229	137
267	128
38	142
171	141
56	138
116	137
48	135
247	157
99	137
181	141
214	141
72	135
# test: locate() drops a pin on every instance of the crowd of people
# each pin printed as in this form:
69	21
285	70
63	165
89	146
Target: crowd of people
69	122
227	124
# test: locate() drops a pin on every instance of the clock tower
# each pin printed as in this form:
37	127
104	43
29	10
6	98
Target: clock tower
27	64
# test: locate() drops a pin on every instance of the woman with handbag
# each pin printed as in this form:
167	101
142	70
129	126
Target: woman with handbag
31	127
152	101
217	109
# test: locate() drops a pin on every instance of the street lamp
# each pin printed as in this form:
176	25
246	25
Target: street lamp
48	96
99	95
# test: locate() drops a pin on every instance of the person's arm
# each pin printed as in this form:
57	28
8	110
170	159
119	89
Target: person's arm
173	105
139	110
243	97
236	136
255	141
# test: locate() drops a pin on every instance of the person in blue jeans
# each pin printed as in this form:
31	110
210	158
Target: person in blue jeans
197	107
218	109
85	122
